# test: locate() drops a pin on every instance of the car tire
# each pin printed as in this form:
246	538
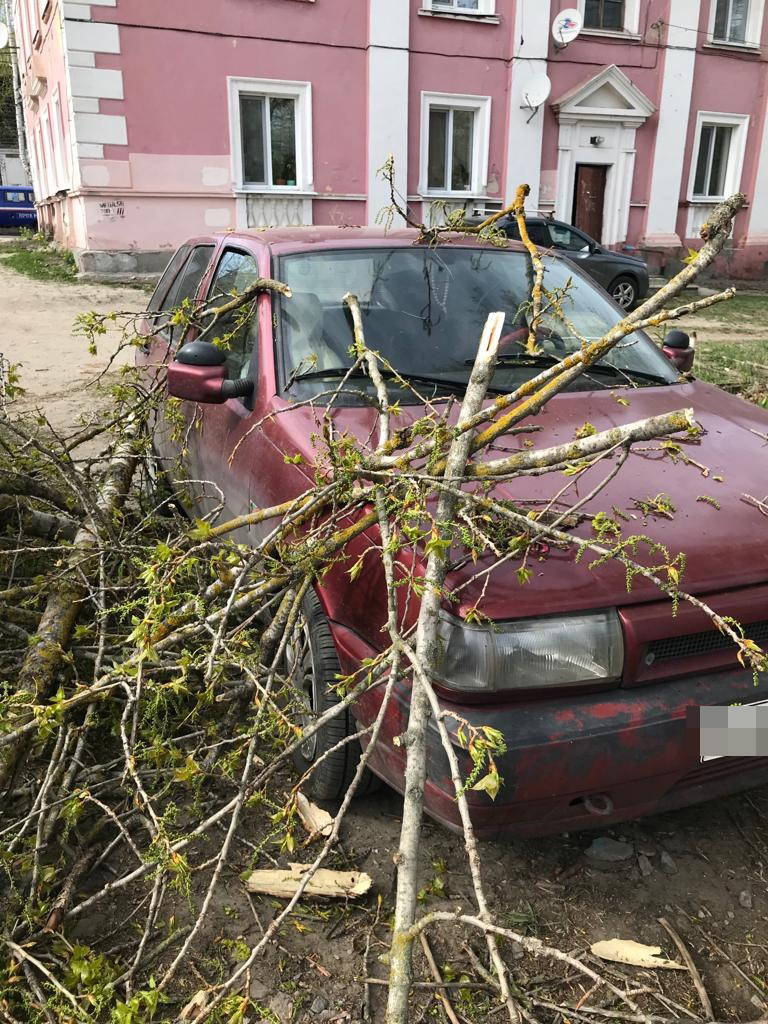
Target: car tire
624	291
318	670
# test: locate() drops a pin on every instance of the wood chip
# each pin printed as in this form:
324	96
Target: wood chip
627	951
330	884
314	819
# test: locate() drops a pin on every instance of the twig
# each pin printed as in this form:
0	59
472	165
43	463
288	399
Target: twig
692	968
440	994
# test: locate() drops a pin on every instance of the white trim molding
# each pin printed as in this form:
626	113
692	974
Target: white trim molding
753	28
674	112
481	137
301	92
598	121
629	28
702	205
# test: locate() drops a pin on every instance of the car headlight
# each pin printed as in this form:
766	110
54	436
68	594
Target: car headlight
529	653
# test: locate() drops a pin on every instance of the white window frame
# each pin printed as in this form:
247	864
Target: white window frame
301	92
631	20
753	31
481	107
735	165
484	8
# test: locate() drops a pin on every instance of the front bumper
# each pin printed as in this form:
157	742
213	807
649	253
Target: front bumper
581	761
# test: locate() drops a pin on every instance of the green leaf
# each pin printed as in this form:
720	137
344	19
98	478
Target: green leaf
490	784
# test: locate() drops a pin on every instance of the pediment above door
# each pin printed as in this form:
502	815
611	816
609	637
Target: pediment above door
610	95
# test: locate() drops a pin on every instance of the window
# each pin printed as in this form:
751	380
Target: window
714	145
566	238
450	149
271	134
731	21
454	141
736	22
718	155
460	6
604	14
235	272
616	16
537	232
186	285
169	275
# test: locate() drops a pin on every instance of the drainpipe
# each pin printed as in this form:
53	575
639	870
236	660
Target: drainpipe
23	153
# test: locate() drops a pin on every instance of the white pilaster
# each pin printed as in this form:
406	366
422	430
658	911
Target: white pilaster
524	133
758	214
674	114
388	61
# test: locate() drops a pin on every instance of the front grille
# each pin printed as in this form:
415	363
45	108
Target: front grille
709	642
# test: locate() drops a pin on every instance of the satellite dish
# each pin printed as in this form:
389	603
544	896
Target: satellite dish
4	36
566	27
537	91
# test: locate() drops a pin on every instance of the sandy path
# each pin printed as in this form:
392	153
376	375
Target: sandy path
36	319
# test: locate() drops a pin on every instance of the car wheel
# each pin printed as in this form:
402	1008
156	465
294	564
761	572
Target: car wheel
624	291
313	665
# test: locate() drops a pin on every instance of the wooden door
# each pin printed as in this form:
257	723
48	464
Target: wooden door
588	199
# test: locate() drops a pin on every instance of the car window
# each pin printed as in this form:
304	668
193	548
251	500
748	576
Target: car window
186	285
169	275
537	232
238	329
566	238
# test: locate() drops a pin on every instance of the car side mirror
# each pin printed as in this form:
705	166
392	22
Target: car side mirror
678	349
198	374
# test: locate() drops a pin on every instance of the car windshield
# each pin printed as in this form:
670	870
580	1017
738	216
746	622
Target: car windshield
423	310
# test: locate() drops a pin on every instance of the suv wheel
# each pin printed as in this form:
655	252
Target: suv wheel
311	658
624	291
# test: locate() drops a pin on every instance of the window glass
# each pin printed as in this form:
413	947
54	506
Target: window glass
268	128
424	310
461	163
186	285
566	238
604	14
458	5
450	145
282	120
712	160
252	127
731	20
169	275
235	272
438	138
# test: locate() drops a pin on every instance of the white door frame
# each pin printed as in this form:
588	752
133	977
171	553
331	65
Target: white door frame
598	121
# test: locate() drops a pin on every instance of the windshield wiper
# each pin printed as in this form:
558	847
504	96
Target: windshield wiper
344	371
543	360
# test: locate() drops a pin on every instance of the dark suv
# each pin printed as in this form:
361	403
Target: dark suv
625	278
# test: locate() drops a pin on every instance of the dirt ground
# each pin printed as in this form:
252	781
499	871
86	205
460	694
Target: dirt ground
36	320
703	869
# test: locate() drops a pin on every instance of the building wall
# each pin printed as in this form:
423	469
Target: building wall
144	156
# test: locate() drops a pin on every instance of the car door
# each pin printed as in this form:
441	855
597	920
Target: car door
225	440
180	282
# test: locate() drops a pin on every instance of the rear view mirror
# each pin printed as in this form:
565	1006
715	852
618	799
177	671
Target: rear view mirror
198	374
678	349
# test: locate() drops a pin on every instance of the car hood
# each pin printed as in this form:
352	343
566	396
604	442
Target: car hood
722	536
622	257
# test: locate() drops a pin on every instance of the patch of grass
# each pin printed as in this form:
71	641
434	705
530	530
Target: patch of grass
43	263
740	367
743	306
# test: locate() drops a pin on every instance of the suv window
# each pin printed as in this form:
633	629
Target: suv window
235	272
566	238
187	283
537	232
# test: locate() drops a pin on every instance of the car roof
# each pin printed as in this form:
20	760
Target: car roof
286	240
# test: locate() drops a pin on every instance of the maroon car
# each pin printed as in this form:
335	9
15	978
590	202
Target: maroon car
588	681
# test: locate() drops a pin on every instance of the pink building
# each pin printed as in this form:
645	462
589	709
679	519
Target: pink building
150	122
